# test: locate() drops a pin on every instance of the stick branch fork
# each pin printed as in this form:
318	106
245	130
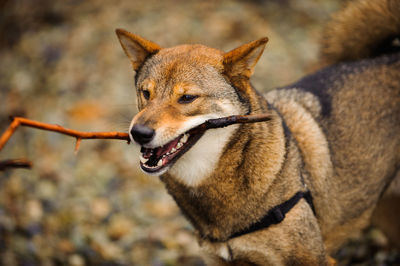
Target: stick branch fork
79	135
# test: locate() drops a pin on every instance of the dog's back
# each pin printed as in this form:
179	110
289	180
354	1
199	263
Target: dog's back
346	117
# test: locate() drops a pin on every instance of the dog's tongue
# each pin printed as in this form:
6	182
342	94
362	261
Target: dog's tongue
167	147
160	151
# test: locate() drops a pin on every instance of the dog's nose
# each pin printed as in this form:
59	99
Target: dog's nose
142	134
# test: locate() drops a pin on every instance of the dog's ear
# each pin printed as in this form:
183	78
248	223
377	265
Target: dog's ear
242	60
136	48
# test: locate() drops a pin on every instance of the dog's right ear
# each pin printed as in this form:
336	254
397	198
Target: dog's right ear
136	48
242	60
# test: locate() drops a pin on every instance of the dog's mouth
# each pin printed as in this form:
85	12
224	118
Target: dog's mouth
156	160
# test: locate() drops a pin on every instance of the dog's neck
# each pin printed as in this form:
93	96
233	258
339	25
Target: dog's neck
244	183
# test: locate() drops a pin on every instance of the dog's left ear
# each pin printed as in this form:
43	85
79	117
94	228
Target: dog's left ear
136	47
242	60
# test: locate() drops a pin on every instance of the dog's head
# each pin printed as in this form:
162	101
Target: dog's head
178	89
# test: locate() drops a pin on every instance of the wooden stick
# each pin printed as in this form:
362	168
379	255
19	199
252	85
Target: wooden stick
230	120
79	135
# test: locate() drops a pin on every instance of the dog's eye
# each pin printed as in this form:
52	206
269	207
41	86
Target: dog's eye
146	94
187	98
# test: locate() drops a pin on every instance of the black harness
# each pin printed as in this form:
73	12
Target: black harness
274	215
277	213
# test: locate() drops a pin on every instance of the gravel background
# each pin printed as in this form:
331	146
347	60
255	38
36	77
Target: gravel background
61	63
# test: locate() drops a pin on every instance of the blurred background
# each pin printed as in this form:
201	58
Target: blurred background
60	62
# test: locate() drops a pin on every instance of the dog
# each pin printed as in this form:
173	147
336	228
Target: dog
292	190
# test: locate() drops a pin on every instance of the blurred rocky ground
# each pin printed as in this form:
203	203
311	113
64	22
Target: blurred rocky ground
61	63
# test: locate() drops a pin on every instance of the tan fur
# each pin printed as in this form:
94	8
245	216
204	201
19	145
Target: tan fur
334	133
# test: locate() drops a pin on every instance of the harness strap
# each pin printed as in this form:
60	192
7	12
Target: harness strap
275	215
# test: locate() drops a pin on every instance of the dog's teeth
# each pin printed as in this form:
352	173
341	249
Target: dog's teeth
173	150
159	163
184	138
179	145
142	159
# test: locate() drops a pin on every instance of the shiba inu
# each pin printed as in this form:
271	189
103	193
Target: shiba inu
291	190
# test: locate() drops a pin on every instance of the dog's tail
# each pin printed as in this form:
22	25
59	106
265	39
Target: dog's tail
364	28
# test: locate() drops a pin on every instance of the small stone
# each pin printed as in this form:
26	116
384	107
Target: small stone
107	250
76	260
33	229
161	209
65	246
34	210
378	238
14	186
51	224
380	257
119	227
100	208
46	190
